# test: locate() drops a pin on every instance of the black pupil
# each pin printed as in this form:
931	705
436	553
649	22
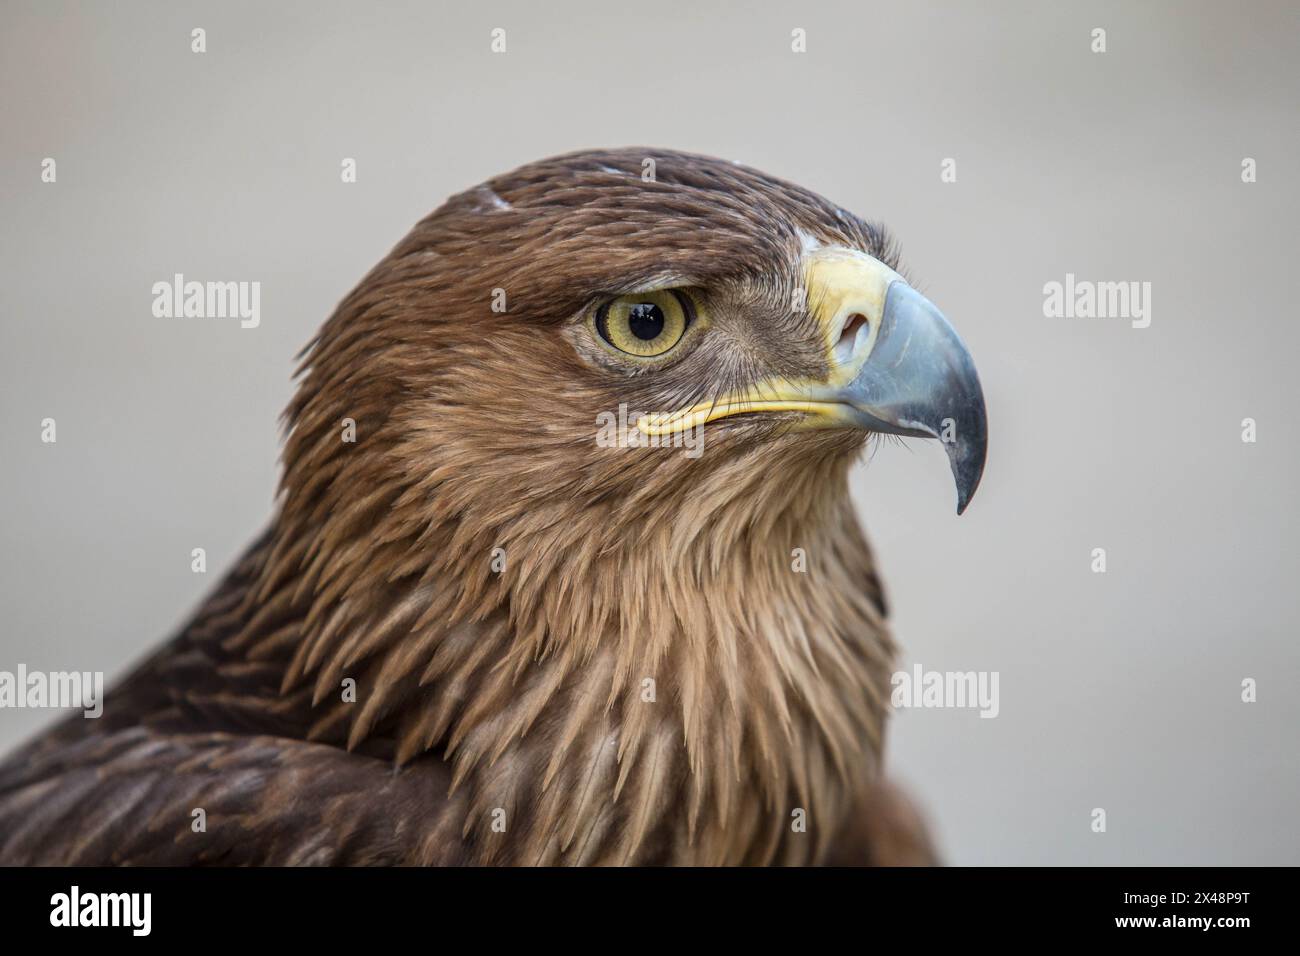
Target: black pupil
646	321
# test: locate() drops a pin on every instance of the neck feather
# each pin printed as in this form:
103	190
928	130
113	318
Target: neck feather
705	682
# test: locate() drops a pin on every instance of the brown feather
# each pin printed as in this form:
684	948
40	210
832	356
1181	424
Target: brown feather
519	691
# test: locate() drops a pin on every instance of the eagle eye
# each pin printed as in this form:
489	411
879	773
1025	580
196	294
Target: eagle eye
646	324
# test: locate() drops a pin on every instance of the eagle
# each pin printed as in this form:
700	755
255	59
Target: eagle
474	633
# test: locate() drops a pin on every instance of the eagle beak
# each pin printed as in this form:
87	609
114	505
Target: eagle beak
895	365
911	374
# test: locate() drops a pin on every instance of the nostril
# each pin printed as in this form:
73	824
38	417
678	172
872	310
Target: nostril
855	322
849	337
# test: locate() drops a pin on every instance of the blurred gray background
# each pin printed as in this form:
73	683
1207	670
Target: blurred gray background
1118	690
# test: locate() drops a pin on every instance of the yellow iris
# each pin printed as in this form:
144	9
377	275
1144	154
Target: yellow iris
645	324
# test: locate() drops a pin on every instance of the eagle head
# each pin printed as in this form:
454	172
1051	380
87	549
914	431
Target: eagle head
653	291
596	405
